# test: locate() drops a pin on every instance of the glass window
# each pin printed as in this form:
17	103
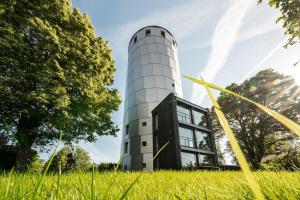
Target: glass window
163	33
183	114
200	118
205	159
203	140
126	147
148	32
134	39
155	121
127	129
186	137
144	143
188	160
144	123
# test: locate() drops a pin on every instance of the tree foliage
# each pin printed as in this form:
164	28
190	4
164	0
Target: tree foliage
290	17
70	159
36	165
56	76
258	133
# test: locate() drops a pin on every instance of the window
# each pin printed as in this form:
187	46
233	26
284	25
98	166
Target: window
148	32
173	84
200	118
144	143
155	121
144	124
126	147
205	159
134	39
183	114
125	167
188	160
203	140
174	43
186	137
144	165
127	129
162	33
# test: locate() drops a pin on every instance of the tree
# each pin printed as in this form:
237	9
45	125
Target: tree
290	16
257	133
36	165
70	159
82	160
56	76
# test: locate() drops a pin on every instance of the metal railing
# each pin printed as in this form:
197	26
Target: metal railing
183	117
187	142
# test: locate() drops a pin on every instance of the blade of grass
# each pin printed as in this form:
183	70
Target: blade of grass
160	150
92	184
9	183
137	178
235	147
113	178
82	193
130	186
47	168
284	120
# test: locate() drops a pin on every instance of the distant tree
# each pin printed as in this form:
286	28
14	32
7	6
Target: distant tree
258	133
288	160
82	160
221	159
290	16
69	159
56	76
36	165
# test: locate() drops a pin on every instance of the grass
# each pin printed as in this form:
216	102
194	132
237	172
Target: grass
150	185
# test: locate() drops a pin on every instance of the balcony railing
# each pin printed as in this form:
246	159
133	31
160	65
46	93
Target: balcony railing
187	142
183	117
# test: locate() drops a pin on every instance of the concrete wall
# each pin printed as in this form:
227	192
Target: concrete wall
152	74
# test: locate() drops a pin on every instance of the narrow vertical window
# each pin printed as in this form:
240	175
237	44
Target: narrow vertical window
155	121
127	129
134	39
126	147
162	33
148	32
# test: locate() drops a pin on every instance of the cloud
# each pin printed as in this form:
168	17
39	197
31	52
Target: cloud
224	37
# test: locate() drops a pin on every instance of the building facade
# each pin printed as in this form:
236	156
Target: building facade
186	129
152	74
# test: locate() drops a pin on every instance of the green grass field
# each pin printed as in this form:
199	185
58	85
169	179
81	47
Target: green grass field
151	185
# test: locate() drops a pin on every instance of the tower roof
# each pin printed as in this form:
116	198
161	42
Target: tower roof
155	26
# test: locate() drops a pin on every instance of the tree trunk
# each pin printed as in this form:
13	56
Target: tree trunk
22	157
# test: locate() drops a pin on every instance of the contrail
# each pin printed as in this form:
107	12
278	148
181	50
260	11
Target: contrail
224	37
256	67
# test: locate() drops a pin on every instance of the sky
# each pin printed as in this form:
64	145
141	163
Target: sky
224	41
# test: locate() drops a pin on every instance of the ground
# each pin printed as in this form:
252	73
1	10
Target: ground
151	185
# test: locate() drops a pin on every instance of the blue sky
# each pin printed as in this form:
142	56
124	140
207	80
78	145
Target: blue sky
225	41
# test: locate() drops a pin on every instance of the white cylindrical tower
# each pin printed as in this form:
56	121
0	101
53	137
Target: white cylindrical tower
152	74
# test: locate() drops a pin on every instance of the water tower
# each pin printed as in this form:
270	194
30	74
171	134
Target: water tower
152	74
